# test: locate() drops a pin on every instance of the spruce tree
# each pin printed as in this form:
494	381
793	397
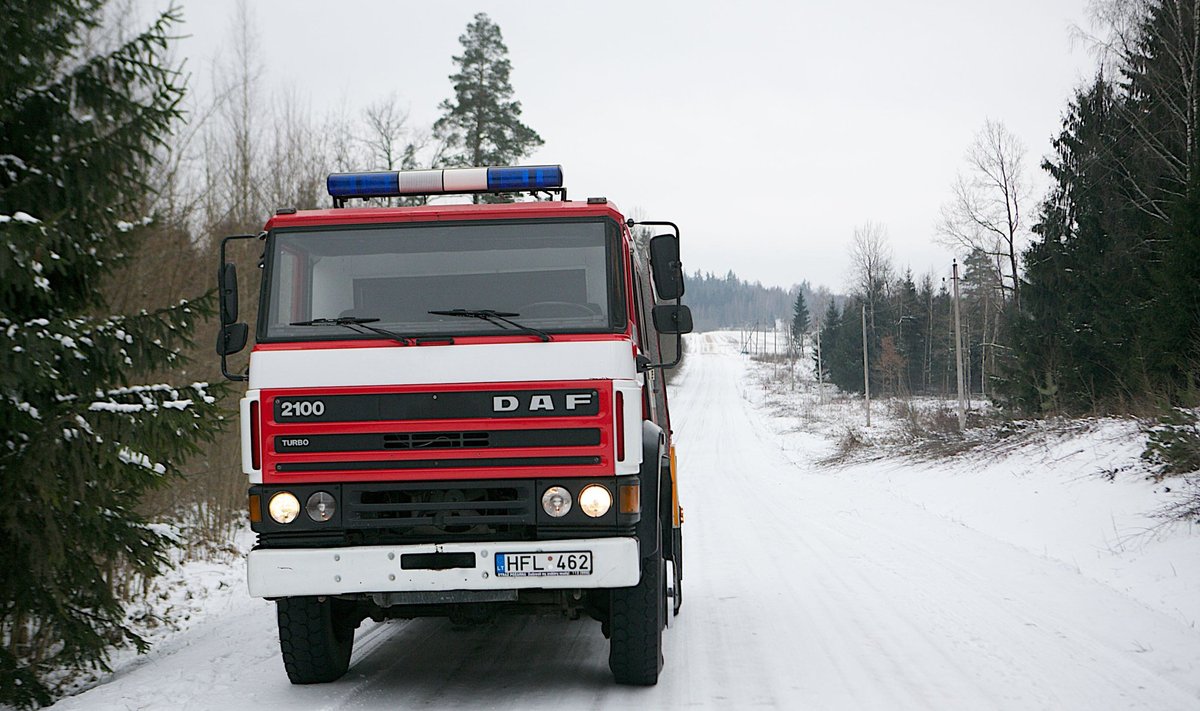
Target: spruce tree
1114	265
800	320
481	125
80	440
1082	342
909	338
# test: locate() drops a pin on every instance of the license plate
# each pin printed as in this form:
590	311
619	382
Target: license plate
526	565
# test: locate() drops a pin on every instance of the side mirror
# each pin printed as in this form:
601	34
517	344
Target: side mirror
665	267
672	318
227	293
232	338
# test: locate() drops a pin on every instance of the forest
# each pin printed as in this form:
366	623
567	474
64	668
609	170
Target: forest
730	303
1082	300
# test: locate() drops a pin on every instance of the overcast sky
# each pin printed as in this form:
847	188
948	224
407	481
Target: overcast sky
767	130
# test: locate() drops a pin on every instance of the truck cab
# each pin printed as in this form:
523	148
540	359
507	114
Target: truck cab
458	410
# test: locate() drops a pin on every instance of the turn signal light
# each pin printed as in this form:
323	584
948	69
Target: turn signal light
255	508
631	498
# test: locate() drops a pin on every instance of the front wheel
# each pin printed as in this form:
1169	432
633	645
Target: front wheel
636	624
316	636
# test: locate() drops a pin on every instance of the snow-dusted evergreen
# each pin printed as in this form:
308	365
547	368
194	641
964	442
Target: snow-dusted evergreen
81	437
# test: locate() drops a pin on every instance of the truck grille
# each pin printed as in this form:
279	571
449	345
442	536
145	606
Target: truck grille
435	440
305	443
393	512
421	432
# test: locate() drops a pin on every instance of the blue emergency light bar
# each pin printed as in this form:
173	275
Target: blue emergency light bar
395	183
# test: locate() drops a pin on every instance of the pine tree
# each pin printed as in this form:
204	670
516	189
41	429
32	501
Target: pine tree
79	441
482	125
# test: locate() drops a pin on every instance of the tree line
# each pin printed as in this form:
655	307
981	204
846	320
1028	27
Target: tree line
1087	300
728	302
908	322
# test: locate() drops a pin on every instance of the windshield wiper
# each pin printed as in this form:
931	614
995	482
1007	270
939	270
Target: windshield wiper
354	323
494	317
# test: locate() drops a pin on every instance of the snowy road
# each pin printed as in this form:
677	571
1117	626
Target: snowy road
804	589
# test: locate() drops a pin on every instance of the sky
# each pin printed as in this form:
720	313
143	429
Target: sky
767	130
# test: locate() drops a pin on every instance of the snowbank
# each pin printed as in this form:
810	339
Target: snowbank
1072	491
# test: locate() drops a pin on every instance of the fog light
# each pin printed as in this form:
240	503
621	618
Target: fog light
284	507
595	500
320	506
556	501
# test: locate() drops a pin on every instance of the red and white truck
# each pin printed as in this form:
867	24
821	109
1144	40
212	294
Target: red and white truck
459	410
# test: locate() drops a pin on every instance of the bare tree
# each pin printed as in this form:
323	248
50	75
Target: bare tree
233	143
295	159
985	209
871	265
387	128
391	143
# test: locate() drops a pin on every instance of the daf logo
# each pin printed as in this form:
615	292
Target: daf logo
539	402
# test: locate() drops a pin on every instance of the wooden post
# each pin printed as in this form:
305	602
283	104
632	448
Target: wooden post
820	369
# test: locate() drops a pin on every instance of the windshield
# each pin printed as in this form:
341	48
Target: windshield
555	276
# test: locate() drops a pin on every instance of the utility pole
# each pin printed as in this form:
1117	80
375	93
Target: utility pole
775	347
983	339
791	356
962	401
866	371
820	368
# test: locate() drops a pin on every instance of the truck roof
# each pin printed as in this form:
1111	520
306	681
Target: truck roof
446	213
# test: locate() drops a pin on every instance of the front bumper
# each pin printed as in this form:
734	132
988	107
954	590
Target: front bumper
370	569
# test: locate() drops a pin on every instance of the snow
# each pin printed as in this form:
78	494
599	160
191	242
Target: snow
128	456
115	407
146	393
19	216
26	408
126	226
1026	574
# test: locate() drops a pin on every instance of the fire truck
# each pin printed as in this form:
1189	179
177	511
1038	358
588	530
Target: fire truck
459	410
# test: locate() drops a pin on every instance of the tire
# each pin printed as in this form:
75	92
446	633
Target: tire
635	625
315	637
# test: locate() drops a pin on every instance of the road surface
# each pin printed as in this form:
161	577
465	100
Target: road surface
804	589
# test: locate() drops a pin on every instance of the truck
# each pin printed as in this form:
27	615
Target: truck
459	410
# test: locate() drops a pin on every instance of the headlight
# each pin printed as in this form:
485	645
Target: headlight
595	500
556	501
320	506
284	507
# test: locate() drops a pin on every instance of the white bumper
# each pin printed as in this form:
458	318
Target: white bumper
369	569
